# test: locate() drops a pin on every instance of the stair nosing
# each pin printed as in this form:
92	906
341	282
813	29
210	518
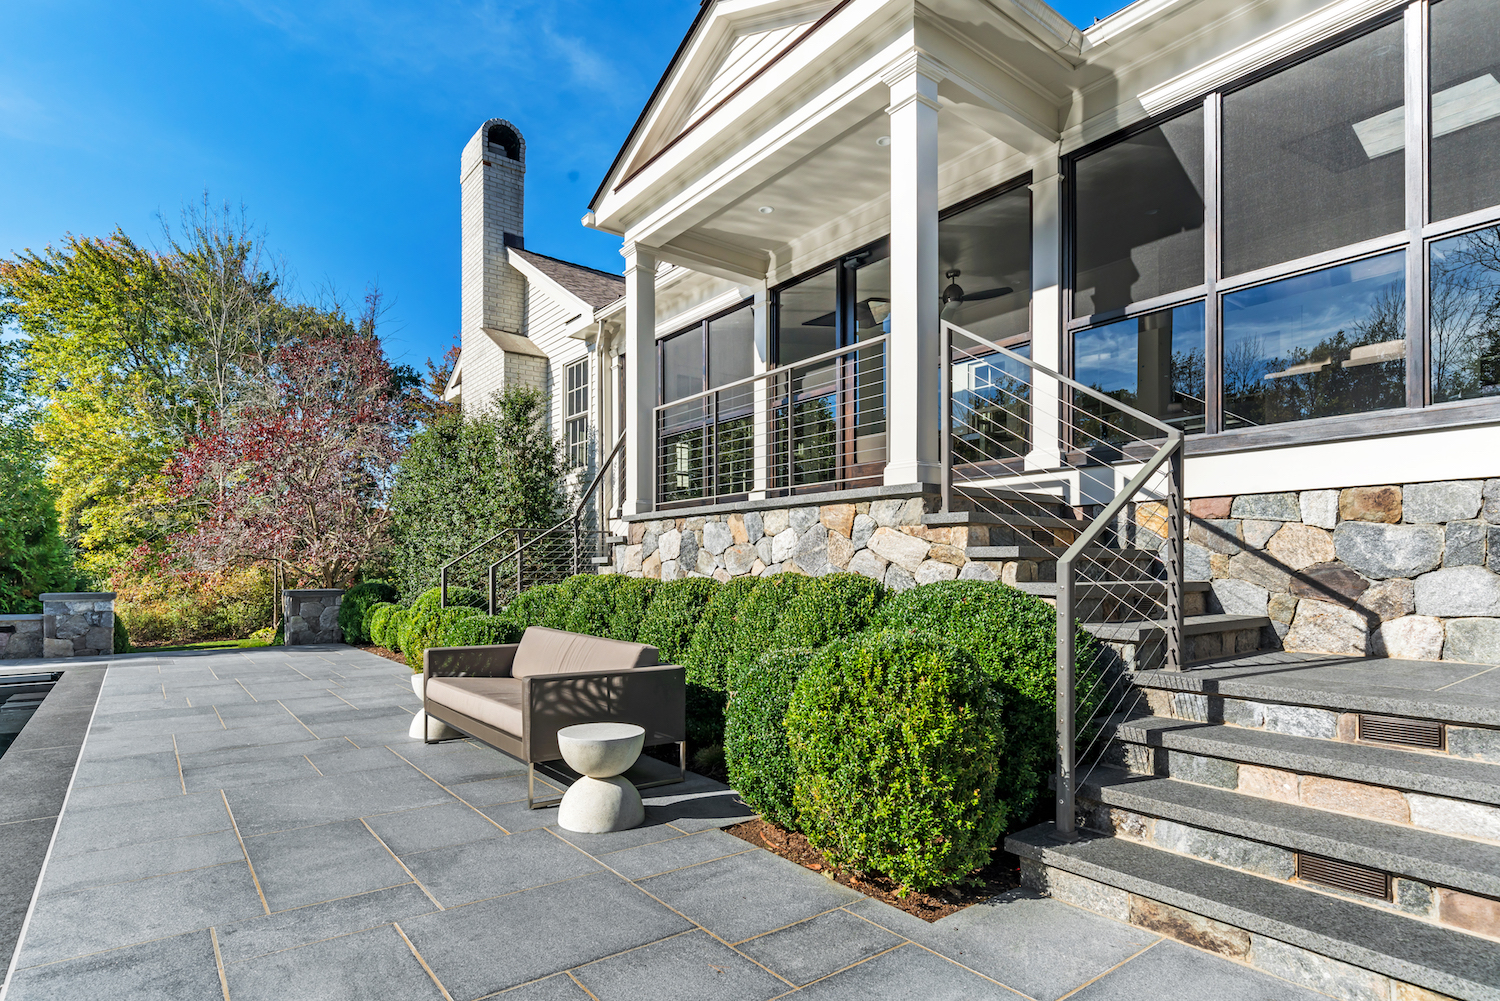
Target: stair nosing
1090	859
1274	823
1193	625
1392	767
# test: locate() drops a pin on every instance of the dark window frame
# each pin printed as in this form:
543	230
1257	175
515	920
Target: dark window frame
1420	232
701	326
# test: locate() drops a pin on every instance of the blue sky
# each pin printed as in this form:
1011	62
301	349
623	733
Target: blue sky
337	123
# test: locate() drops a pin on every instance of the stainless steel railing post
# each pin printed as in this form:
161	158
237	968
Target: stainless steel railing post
945	420
1176	641
1067	744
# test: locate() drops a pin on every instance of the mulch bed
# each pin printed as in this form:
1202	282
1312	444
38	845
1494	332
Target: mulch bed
1000	875
381	651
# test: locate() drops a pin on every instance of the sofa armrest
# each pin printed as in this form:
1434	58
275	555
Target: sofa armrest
469	661
654	698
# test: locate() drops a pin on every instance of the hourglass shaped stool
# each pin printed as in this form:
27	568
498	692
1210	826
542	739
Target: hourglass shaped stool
603	800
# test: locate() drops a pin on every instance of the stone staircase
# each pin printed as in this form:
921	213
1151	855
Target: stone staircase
1333	821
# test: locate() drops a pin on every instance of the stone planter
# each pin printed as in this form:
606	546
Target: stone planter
311	615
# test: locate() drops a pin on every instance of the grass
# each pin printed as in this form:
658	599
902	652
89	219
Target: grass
209	645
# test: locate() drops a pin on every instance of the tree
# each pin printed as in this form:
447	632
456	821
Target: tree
299	476
33	556
466	478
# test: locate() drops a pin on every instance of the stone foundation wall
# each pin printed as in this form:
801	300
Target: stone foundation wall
72	624
1407	570
882	539
311	616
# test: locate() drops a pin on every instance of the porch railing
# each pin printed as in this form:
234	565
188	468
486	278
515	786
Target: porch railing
534	556
816	421
1074	484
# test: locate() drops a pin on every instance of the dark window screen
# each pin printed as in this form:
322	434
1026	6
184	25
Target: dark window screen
806	318
985	251
682	365
1138	217
1465	109
1313	155
731	347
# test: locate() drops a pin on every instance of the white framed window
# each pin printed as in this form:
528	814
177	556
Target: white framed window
576	411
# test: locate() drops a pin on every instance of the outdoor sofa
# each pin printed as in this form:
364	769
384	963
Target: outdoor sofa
515	697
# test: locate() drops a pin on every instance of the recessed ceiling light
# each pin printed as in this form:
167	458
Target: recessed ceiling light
766	210
883	141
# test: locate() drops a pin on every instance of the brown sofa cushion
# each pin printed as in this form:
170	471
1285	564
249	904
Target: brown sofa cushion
553	651
496	701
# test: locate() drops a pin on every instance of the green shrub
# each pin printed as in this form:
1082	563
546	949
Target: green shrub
478	630
357	601
755	746
122	636
825	609
633	597
424	625
377	621
530	607
458	597
395	625
1012	636
757	620
897	740
593	605
713	641
556	615
673	616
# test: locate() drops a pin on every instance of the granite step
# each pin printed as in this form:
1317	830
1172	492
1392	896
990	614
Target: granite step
1124	874
1012	519
1367	764
1048	588
1446	691
1446	860
1193	625
1041	553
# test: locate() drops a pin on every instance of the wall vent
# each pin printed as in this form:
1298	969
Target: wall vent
1344	876
1423	733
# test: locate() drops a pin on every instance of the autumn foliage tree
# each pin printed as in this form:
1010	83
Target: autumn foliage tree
298	478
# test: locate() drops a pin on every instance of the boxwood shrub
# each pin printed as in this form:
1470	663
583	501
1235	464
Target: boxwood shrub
826	608
356	604
379	618
633	595
478	630
395	624
897	739
530	607
1012	636
672	618
755	745
756	621
568	590
424	625
712	645
593	606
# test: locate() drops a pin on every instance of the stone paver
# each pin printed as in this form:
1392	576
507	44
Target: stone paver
258	823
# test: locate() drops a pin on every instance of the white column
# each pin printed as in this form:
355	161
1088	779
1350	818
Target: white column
1046	313
762	310
912	384
640	378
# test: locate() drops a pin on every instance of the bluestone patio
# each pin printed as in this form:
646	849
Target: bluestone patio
257	824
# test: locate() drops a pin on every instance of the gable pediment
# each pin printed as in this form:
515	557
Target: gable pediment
736	43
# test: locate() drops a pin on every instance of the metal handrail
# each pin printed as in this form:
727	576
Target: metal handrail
574	517
778	370
1168	455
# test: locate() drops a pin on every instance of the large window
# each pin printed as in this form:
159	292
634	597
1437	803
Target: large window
1334	236
576	412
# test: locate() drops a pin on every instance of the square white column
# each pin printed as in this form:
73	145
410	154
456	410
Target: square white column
1047	348
762	418
640	379
913	389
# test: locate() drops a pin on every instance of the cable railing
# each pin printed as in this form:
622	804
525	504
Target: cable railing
819	421
1076	493
533	556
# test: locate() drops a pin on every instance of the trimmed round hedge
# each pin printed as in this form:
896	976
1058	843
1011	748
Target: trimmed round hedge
712	645
633	596
379	618
825	609
423	626
478	630
897	740
759	759
356	603
593	606
1012	636
530	607
395	625
673	616
757	618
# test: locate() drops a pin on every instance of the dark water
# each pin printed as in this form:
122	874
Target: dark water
20	695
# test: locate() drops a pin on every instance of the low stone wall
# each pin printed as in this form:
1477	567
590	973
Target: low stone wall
70	624
1407	570
883	539
311	616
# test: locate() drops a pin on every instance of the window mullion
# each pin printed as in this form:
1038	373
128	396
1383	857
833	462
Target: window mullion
1213	383
1416	203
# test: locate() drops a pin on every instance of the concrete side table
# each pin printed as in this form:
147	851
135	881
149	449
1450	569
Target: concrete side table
603	800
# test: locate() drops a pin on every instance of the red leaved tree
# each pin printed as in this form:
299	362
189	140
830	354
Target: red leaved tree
298	478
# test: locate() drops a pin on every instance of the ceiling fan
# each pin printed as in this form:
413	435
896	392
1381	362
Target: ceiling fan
954	293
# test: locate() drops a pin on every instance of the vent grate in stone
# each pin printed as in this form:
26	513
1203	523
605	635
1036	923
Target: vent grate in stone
1423	733
1346	876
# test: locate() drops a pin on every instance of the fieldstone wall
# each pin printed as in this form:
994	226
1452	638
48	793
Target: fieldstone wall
311	616
882	539
1409	571
70	624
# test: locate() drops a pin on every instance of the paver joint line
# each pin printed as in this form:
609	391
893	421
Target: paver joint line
181	781
1112	969
400	931
402	864
583	988
294	716
213	934
256	879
